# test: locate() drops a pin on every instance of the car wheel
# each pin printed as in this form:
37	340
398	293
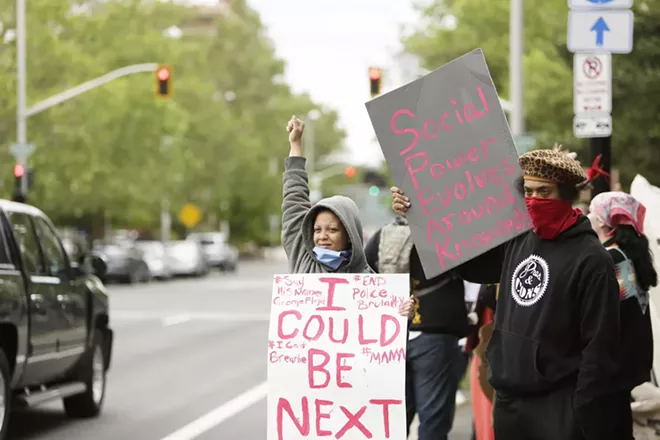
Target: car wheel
5	396
145	275
93	374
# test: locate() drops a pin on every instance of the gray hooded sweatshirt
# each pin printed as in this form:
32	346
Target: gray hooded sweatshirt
298	217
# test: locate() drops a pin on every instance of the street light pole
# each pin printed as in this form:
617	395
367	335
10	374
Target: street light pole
310	154
516	77
21	80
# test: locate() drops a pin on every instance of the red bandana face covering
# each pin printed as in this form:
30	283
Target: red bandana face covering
551	217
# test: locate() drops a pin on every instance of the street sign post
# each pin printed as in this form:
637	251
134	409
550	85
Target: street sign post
592	83
592	125
21	151
596	29
600	30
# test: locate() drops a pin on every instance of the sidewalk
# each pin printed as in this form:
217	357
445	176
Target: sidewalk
462	429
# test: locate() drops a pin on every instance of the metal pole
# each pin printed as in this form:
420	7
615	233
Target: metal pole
87	86
516	50
310	146
21	80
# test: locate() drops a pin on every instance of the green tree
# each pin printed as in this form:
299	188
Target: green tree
117	152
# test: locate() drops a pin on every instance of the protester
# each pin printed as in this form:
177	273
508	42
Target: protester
433	357
481	392
326	237
555	340
618	219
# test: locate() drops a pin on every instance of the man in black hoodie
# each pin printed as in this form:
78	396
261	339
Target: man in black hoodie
433	357
555	340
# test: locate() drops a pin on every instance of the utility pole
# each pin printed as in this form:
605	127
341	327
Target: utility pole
21	80
516	77
310	154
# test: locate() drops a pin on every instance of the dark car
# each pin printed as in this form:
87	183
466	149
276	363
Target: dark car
55	335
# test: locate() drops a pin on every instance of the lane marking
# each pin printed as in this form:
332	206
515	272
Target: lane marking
176	319
136	315
225	411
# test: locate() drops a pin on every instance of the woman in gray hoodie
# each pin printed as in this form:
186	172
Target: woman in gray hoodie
326	237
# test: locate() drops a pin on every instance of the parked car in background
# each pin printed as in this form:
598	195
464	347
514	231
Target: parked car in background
186	258
218	252
153	253
125	263
55	337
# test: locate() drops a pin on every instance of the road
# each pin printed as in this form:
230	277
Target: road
189	363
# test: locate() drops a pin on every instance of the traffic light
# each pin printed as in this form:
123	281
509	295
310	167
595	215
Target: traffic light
350	172
19	173
164	82
376	181
374	178
375	74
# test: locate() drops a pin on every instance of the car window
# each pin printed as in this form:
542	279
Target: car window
54	254
27	243
6	251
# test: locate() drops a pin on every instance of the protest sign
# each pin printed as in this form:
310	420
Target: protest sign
448	146
336	357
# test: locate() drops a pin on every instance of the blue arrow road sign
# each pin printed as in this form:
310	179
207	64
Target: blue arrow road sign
600	4
600	27
599	30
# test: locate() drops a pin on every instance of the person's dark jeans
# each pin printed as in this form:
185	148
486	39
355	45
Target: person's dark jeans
432	361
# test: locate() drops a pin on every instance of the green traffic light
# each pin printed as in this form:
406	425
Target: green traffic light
374	191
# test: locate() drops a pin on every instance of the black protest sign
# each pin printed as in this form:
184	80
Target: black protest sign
448	146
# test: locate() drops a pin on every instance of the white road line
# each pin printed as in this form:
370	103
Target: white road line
225	411
176	319
131	315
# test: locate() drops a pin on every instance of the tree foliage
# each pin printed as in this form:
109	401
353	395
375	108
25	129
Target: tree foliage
119	152
548	72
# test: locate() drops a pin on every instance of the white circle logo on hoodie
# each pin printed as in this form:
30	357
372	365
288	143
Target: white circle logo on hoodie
530	280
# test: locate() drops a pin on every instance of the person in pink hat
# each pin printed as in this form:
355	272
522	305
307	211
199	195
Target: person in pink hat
618	219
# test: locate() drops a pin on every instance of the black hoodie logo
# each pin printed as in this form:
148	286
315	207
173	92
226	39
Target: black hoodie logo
530	280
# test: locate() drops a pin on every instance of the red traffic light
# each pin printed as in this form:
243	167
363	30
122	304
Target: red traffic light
19	170
163	74
350	172
375	73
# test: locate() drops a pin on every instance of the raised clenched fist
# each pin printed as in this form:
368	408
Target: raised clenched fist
295	127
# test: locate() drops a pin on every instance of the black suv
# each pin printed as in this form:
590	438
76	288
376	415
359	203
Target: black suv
55	337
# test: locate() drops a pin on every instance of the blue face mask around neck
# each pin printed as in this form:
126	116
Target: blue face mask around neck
330	258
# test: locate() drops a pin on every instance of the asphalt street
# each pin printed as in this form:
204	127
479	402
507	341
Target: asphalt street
188	363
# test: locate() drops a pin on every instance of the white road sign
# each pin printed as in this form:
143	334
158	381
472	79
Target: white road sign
607	31
592	125
600	4
592	83
21	150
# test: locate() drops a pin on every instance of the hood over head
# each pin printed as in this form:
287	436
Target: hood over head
581	227
348	213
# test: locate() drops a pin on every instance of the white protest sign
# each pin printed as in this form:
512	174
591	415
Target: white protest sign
336	357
